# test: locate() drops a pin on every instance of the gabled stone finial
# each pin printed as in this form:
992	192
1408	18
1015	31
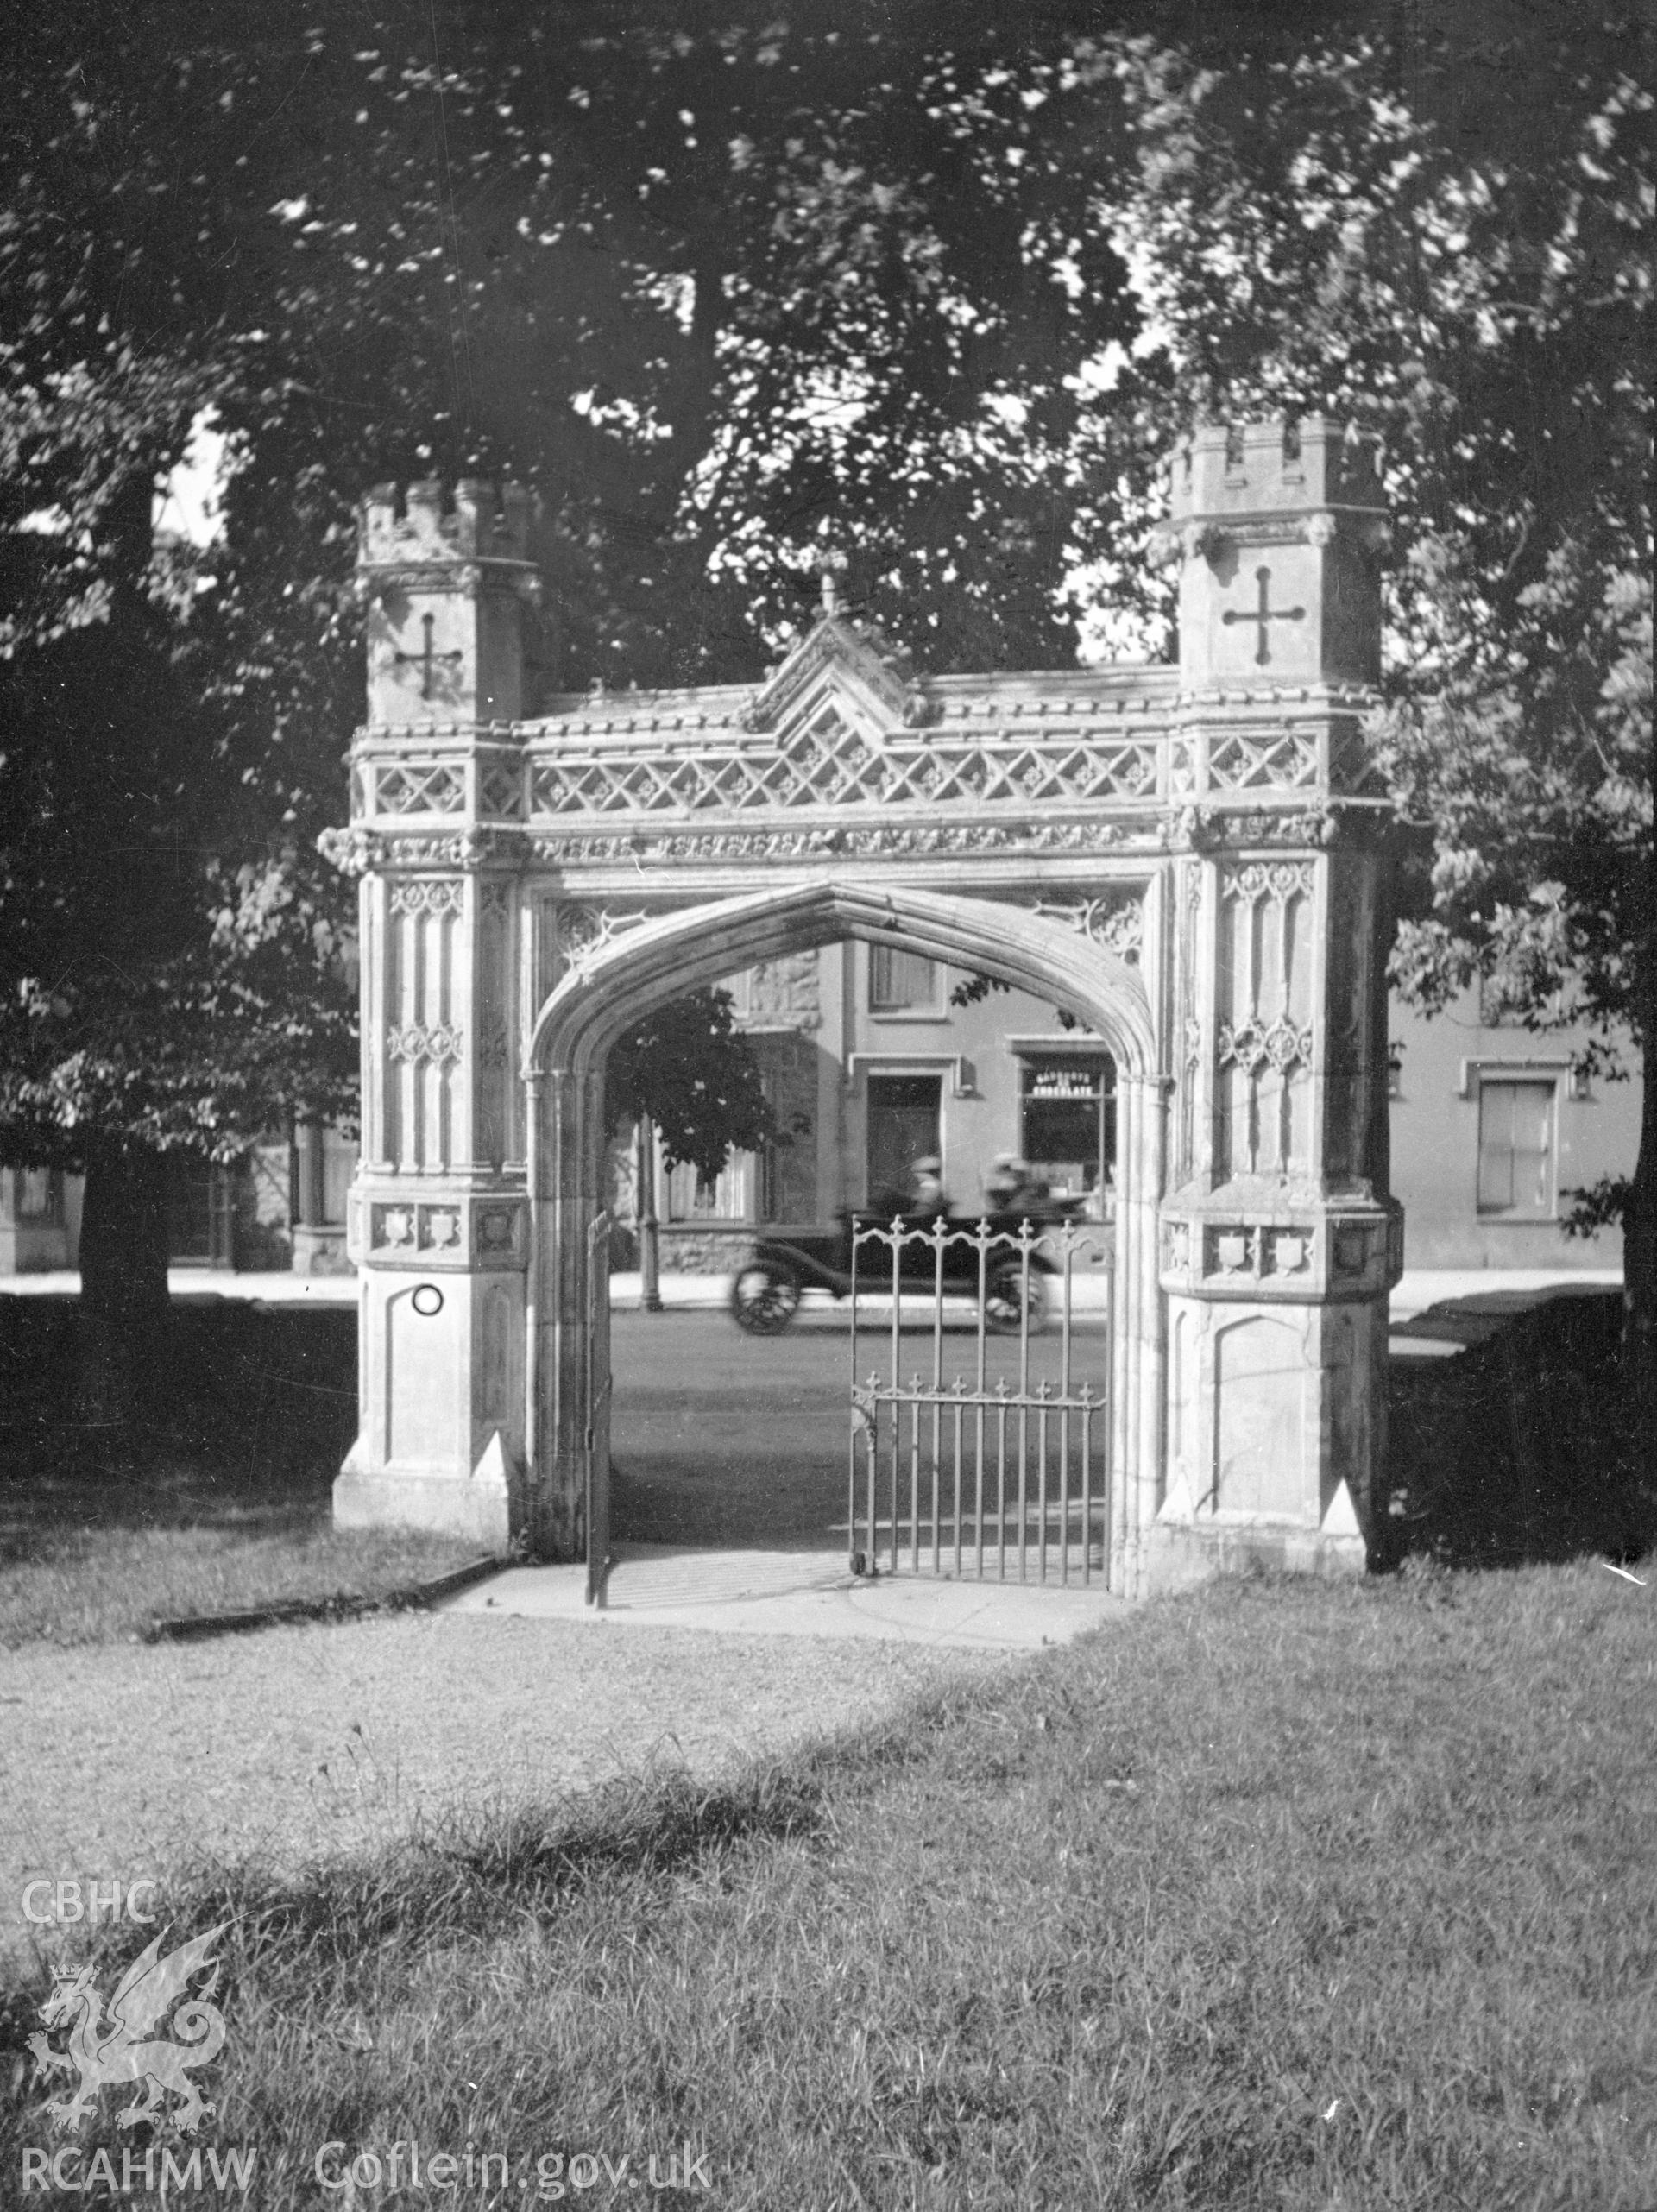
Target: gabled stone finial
830	565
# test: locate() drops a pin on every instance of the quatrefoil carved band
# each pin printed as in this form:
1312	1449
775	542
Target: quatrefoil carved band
1283	880
413	1041
1252	1045
434	895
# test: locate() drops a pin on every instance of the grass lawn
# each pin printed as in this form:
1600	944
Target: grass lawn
1283	1894
106	1582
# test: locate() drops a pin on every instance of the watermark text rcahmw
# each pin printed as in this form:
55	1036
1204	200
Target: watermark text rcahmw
165	2168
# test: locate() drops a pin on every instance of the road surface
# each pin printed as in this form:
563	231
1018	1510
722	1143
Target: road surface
719	1437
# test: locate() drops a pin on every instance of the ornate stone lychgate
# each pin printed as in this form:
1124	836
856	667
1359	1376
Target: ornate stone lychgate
1189	858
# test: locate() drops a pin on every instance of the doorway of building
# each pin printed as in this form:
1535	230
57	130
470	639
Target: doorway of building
904	1124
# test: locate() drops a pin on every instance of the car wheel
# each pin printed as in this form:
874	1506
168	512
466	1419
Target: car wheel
765	1297
1004	1300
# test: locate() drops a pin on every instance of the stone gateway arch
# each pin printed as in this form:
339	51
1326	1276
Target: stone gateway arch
1189	858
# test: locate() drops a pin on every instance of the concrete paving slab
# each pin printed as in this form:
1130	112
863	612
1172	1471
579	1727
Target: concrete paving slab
797	1594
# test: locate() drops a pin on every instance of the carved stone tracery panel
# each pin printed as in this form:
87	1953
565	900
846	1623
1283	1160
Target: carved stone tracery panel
584	931
1115	919
1265	1032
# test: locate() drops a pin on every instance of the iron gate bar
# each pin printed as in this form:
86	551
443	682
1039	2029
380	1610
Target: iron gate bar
1067	1412
600	1385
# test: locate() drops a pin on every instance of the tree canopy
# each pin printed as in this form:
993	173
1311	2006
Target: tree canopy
732	295
691	1072
930	291
1303	235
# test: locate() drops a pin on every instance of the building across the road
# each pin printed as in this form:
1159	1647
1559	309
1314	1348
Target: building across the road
870	1064
282	1205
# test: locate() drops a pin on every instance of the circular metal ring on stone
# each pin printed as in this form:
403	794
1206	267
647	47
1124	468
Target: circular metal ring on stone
427	1300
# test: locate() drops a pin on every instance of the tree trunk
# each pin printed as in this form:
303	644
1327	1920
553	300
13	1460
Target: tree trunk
1639	1272
123	1303
650	1235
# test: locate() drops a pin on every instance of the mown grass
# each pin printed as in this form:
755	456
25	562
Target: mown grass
1284	1894
102	1583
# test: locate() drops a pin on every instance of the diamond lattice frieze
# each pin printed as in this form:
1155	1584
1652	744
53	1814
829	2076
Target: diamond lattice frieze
1240	763
410	787
829	762
501	791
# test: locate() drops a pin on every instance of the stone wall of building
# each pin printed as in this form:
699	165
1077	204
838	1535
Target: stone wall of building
790	1062
688	1248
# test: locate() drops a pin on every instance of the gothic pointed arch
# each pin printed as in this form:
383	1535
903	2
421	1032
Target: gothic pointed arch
601	994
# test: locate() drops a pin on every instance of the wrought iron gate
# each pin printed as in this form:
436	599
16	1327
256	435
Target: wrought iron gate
599	1387
968	1474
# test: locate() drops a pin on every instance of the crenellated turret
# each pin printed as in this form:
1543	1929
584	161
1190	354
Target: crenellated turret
1286	467
417	523
1278	526
446	583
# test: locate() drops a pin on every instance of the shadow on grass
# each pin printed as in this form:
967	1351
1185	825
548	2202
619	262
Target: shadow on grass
1297	1894
257	1408
460	1877
1520	1447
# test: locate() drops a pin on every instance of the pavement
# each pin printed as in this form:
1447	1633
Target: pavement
795	1593
1419	1289
197	1285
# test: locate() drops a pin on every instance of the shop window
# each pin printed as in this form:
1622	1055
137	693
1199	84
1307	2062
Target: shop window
1068	1108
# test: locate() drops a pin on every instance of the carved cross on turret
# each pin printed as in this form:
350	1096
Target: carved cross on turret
426	660
1263	614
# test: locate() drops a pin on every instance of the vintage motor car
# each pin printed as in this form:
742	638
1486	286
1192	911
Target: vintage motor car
1002	1254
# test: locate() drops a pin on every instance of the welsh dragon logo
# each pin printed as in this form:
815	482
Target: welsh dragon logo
114	2045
